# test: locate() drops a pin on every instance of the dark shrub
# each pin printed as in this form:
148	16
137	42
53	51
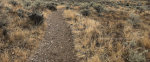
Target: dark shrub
85	12
20	13
36	18
127	4
85	7
62	3
136	26
67	7
52	6
2	23
14	3
5	32
99	8
9	10
28	4
0	5
97	44
100	15
148	4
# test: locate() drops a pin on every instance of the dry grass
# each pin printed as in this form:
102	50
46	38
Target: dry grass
113	37
61	7
70	14
19	38
119	34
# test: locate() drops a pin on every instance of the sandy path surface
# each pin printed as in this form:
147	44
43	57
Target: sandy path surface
57	45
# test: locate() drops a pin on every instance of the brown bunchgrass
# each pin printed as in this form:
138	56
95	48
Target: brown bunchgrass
22	37
61	6
5	57
69	14
101	39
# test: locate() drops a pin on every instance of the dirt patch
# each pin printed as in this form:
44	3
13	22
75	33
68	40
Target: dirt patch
57	45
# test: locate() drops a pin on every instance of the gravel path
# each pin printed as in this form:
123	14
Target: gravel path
57	45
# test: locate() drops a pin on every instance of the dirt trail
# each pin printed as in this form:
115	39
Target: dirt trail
57	45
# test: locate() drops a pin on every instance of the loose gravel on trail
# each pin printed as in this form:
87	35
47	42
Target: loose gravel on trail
57	45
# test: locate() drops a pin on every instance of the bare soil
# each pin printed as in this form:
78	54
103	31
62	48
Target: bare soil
57	45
